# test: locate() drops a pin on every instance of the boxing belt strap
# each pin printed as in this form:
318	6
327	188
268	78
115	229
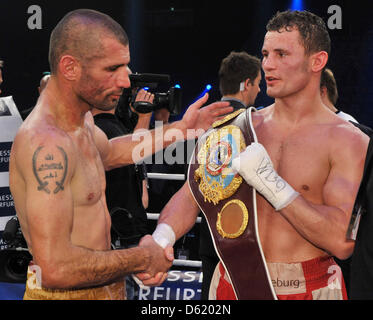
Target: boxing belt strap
229	205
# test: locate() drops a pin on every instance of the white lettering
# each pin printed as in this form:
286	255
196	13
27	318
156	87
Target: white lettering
158	157
34	281
142	148
188	294
34	21
335	280
190	276
173	153
158	293
144	292
173	275
335	21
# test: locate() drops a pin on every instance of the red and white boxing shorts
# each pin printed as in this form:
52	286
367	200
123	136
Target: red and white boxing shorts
317	279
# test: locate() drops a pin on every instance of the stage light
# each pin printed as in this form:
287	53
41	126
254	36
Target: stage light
207	89
177	86
297	5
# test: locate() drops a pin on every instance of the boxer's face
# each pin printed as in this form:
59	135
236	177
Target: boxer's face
103	79
284	63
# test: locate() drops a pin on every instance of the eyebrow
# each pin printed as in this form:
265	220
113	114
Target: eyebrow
115	66
281	50
276	50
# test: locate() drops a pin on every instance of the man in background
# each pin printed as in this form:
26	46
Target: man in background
43	81
42	84
329	94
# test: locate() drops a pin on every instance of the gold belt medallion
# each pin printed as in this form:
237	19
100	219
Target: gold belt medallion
232	219
216	179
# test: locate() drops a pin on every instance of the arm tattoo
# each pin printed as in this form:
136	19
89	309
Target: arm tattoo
51	166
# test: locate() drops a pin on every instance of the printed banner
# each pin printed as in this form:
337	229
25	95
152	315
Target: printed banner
4	156
6	203
10	121
180	285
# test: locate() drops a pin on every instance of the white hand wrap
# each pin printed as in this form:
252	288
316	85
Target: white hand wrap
256	167
164	235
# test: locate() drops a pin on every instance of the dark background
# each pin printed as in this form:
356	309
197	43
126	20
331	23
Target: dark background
187	40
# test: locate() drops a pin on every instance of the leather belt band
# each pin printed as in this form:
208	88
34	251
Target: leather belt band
241	255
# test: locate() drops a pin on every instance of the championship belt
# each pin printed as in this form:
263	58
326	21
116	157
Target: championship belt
229	205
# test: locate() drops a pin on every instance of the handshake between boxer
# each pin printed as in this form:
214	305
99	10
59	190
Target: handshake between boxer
256	167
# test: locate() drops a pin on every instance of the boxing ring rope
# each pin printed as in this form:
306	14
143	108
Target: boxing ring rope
166	176
155	216
187	263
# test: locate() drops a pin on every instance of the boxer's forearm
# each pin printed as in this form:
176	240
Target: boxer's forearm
181	212
83	267
133	148
324	226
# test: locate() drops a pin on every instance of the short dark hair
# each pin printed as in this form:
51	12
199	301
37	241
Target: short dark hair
328	81
235	68
79	33
312	29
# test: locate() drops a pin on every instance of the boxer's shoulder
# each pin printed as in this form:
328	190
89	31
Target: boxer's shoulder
259	116
345	136
346	133
41	133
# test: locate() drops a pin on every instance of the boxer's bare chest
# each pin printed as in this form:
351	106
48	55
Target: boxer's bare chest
299	155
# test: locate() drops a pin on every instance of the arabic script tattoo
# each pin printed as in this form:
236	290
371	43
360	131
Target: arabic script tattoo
49	168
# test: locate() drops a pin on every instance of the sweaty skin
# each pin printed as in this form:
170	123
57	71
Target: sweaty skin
320	155
57	174
323	161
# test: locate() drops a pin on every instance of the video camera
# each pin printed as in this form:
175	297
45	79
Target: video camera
12	234
15	259
170	100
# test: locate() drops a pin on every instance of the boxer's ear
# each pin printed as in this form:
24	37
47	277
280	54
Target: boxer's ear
319	61
69	67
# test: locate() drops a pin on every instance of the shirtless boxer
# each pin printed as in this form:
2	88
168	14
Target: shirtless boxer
57	167
315	157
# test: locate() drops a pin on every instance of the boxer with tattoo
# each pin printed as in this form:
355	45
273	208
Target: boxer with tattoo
58	162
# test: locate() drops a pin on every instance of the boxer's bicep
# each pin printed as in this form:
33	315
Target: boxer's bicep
47	170
115	152
346	171
340	192
102	143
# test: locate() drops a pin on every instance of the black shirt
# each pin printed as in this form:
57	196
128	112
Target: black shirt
124	185
361	273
